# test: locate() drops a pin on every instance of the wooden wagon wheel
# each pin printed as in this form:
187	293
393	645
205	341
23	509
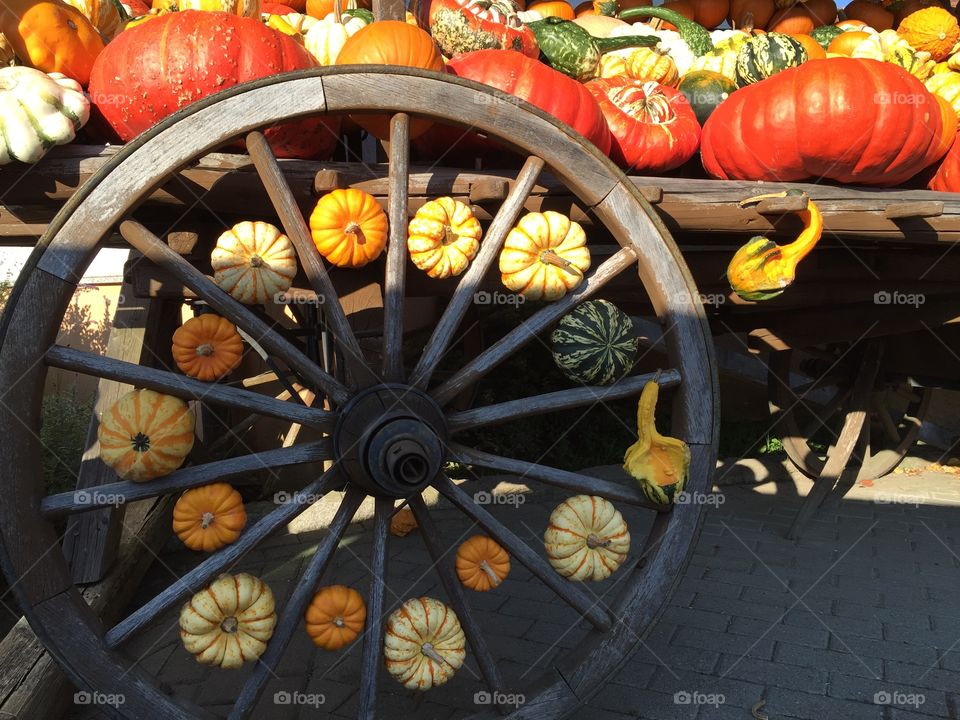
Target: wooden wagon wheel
812	394
93	655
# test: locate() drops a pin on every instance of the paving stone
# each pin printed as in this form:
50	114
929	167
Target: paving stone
725	643
754	628
782	702
772	673
882	692
845	663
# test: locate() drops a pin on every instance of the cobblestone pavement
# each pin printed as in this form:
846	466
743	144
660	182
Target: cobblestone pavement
860	618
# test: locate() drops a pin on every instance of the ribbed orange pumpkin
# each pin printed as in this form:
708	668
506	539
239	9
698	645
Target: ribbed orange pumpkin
209	517
349	227
847	42
145	434
482	563
335	617
391	42
207	347
932	29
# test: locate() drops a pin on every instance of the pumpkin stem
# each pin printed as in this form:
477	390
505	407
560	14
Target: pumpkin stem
449	236
141	442
551	258
353	228
494	578
338	621
594	542
428	650
230	625
256	261
206	520
338	11
206	349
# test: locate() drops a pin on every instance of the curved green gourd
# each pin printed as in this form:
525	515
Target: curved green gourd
694	34
569	48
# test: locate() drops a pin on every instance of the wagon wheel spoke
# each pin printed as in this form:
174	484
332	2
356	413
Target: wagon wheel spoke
504	220
535	324
296	605
444	564
203	573
568	592
554	401
282	198
394	283
179	480
371	657
232	435
185	387
581	484
820	417
890	428
160	253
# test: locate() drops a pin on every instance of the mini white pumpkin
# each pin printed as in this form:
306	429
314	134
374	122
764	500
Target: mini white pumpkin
300	22
38	111
424	644
229	622
253	261
586	538
326	37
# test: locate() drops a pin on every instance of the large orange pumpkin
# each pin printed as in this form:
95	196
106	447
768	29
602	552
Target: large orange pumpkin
750	13
823	12
51	36
870	12
932	29
794	20
391	42
711	13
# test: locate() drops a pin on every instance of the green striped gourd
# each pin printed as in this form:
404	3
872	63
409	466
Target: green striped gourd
765	55
567	47
825	34
719	61
695	35
595	344
641	64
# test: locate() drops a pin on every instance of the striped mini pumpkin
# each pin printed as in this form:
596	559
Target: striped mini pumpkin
595	343
586	538
424	644
145	434
765	55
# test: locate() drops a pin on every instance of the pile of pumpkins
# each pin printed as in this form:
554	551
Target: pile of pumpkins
640	82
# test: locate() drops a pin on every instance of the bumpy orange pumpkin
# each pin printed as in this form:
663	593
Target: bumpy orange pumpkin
145	434
209	517
207	347
443	237
544	256
349	227
51	36
335	617
932	29
482	563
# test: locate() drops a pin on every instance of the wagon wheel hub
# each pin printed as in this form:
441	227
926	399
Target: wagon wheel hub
389	440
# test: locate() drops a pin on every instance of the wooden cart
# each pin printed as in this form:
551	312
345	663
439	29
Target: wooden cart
133	194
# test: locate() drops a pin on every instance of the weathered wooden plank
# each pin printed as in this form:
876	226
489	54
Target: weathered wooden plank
394	282
122	492
914	208
371	656
182	386
292	613
574	596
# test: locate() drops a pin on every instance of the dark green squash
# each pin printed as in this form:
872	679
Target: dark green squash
704	90
694	34
825	34
569	48
763	56
595	344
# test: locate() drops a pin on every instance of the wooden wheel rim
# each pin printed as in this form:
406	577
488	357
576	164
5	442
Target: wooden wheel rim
29	326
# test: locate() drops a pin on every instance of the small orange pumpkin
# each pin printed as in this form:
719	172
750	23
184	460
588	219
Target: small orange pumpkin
51	36
403	521
209	517
813	48
335	617
207	347
846	43
349	227
553	8
482	563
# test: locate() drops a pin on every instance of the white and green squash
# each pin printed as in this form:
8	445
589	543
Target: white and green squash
38	111
595	344
763	56
567	47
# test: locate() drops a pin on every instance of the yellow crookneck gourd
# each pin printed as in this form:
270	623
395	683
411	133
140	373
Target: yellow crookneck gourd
658	463
761	269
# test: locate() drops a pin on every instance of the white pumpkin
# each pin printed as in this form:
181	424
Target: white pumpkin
229	622
424	644
586	538
38	111
670	43
300	22
253	261
878	45
326	38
